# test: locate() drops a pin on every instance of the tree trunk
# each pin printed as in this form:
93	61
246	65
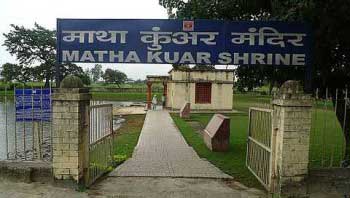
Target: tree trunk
47	81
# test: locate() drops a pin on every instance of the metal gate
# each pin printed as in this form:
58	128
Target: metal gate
261	146
25	123
101	141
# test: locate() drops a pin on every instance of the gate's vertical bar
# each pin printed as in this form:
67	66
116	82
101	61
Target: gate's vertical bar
114	143
273	175
15	104
41	135
24	124
88	172
94	125
98	124
6	132
51	119
249	123
33	136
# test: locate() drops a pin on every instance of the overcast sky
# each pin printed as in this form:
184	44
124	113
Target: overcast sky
45	12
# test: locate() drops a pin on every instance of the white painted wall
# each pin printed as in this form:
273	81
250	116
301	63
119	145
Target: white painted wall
181	92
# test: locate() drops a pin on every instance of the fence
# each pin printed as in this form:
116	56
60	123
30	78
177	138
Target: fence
26	129
330	121
126	90
260	146
101	141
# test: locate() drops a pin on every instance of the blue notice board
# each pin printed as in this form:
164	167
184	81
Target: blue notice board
163	41
33	105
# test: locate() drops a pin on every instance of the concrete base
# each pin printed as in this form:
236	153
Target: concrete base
26	171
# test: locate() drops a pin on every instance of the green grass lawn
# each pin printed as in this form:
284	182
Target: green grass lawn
126	85
242	102
326	138
128	135
231	162
7	92
125	96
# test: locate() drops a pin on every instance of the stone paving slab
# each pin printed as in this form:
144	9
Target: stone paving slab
163	152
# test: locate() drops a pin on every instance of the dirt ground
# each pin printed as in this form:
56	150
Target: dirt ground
134	187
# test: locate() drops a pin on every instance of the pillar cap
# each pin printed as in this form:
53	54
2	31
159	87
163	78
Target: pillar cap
72	90
291	94
71	94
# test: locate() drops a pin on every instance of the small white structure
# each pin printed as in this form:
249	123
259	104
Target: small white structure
204	89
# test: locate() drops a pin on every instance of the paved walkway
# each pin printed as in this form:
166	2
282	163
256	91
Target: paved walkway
163	152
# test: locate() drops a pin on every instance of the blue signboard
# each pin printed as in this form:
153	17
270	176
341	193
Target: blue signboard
157	41
33	105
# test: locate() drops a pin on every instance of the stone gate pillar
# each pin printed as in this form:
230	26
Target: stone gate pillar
292	110
70	133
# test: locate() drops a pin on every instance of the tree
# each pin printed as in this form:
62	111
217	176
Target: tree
36	49
96	72
330	23
16	72
10	71
114	76
85	78
139	81
249	78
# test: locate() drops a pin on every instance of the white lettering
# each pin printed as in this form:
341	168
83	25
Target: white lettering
298	59
285	60
100	55
171	61
267	35
237	58
203	58
187	58
102	36
257	58
87	57
225	58
113	56
156	38
154	56
70	57
132	57
269	59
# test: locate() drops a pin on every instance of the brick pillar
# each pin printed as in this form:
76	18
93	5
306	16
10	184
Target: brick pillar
292	110
149	95
70	133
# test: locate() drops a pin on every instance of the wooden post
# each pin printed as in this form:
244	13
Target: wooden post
149	95
165	90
